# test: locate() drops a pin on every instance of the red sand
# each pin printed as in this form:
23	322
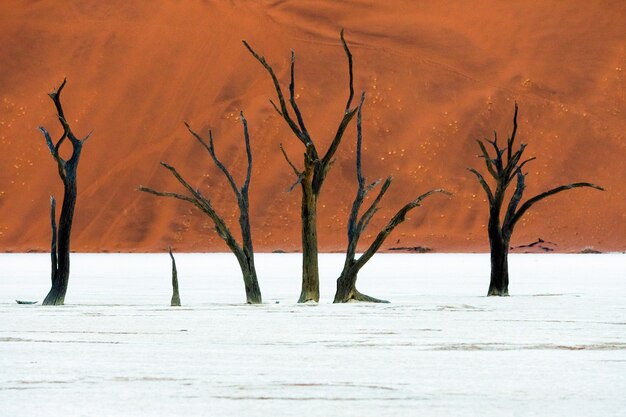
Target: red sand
437	77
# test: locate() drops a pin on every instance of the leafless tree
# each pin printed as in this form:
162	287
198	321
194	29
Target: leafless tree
505	165
60	247
316	166
244	252
346	283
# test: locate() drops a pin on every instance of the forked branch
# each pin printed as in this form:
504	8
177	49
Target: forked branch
279	92
398	218
530	202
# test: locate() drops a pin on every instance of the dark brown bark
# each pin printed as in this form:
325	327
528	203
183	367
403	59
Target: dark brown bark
175	302
504	166
60	248
316	167
53	246
346	283
310	273
499	279
244	252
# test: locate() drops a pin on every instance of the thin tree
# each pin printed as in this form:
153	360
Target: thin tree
60	246
244	252
175	302
505	165
316	166
346	283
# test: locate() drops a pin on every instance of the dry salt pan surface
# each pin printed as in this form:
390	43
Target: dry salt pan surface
556	347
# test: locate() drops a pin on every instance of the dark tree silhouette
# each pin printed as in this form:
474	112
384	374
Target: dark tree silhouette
504	168
245	252
175	295
316	167
60	247
346	283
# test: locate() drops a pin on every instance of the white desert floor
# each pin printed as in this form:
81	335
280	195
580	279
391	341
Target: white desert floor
556	347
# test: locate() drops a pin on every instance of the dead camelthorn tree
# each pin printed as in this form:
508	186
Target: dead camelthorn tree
60	248
316	167
244	252
346	283
175	302
505	165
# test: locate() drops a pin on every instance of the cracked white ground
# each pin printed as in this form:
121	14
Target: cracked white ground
556	347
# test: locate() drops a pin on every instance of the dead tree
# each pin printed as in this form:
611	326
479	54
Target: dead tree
346	283
175	295
244	252
316	167
60	247
504	168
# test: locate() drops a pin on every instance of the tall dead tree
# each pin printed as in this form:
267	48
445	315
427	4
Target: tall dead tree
346	283
316	166
244	252
505	165
60	247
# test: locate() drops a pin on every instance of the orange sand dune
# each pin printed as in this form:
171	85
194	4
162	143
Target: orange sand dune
437	76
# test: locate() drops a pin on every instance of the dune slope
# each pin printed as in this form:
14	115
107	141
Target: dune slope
437	77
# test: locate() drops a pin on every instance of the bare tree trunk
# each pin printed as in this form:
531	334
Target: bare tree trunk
310	273
60	248
253	291
56	296
346	287
53	246
175	302
499	281
251	282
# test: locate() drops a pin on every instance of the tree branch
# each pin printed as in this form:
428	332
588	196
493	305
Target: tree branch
55	154
194	192
56	98
347	115
399	217
350	71
512	137
246	184
281	99
499	152
488	160
293	167
292	99
167	194
529	203
299	174
354	232
204	205
484	184
513	203
359	138
217	162
519	169
512	164
337	139
373	208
